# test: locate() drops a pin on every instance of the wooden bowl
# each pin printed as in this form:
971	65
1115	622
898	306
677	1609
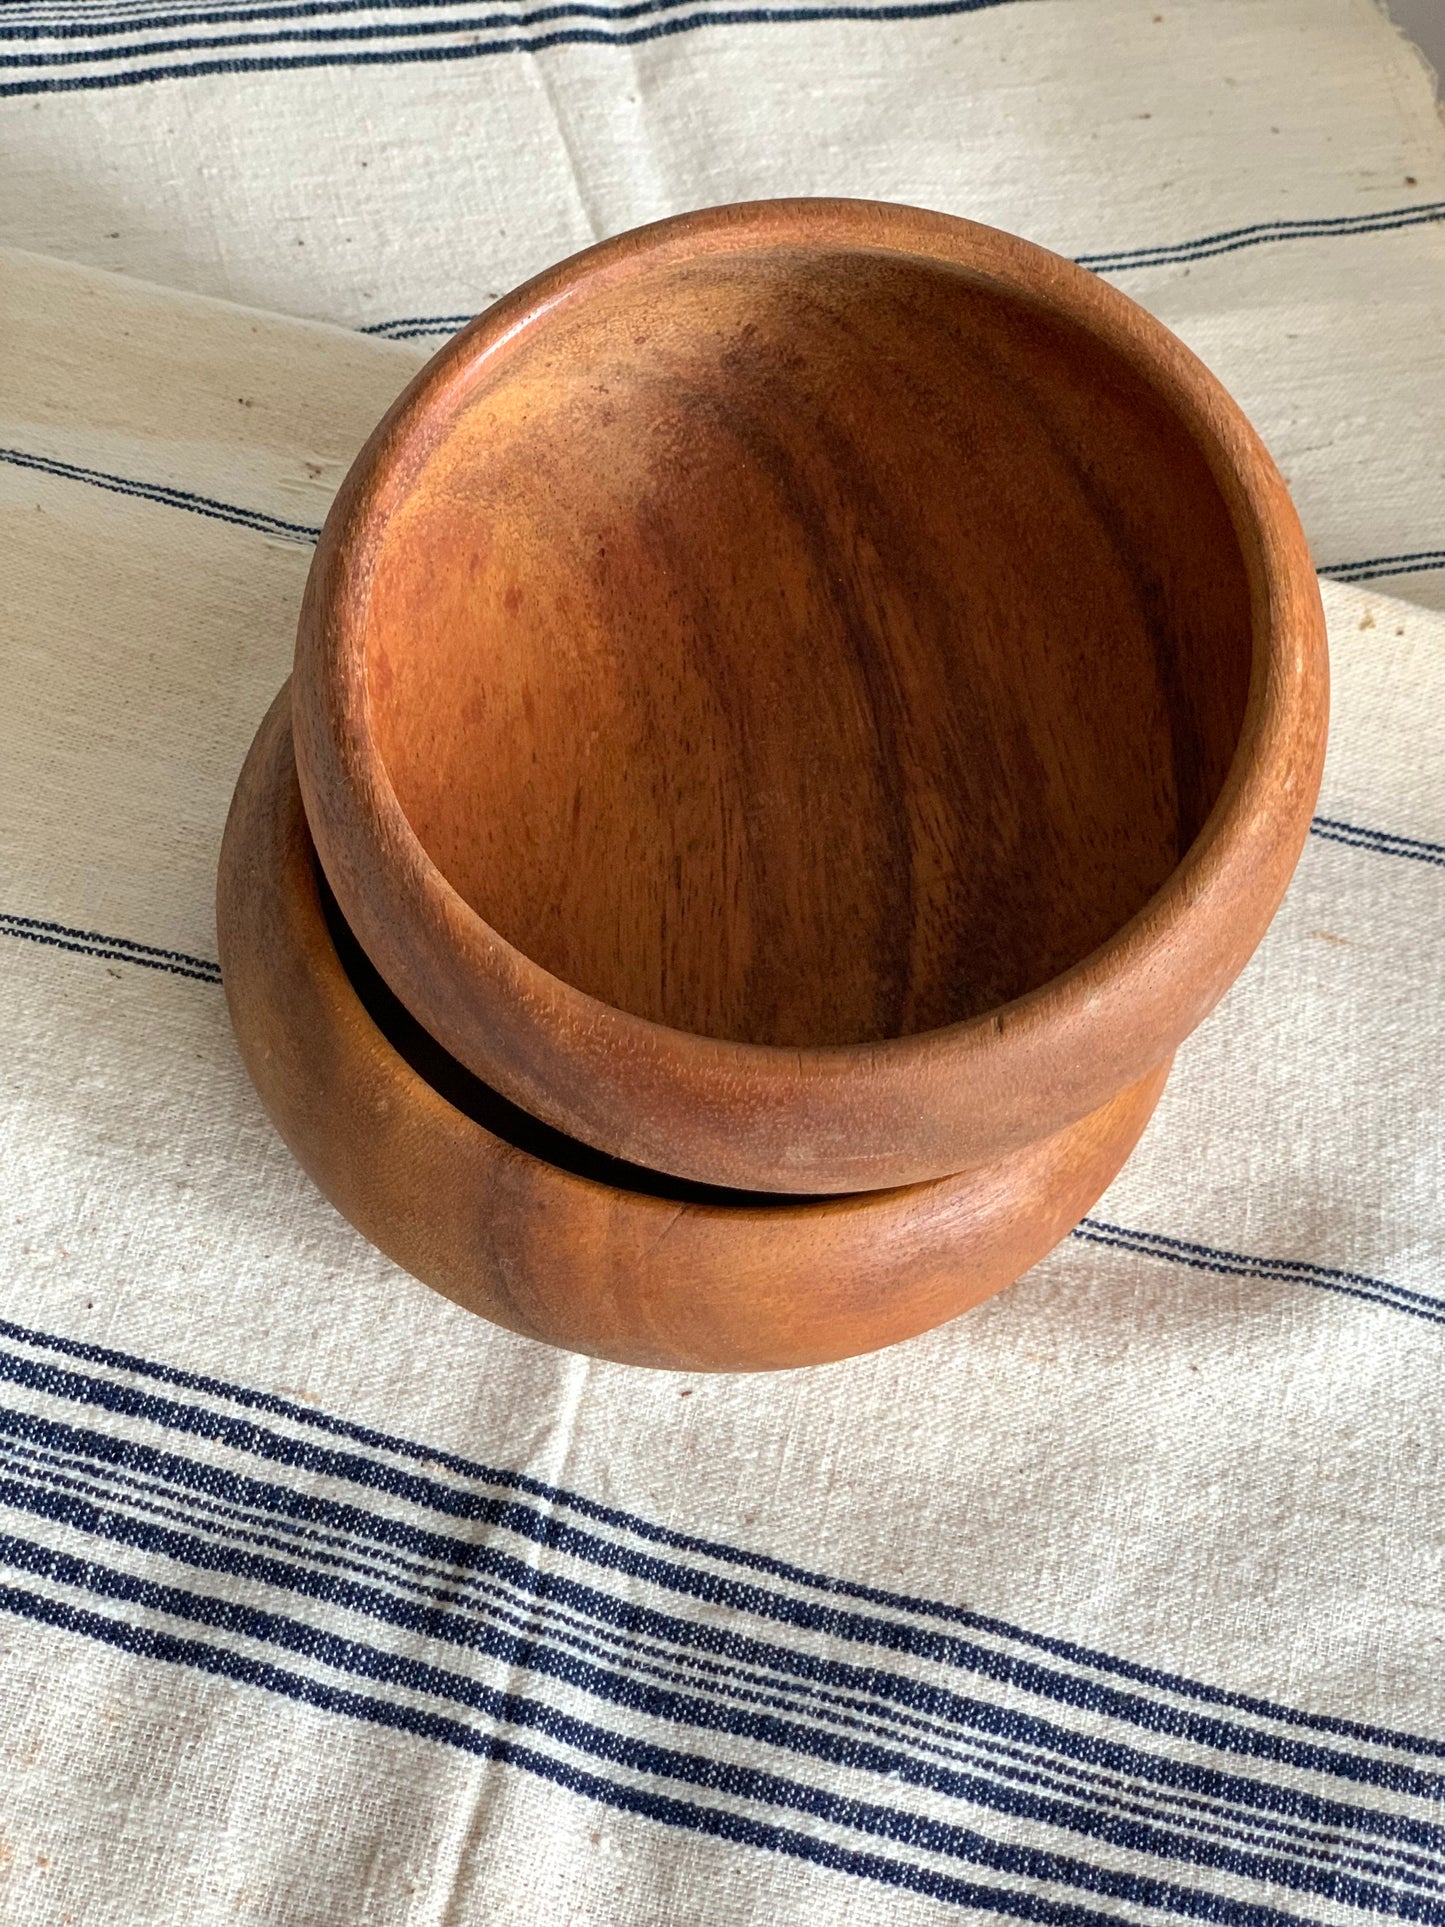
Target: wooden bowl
811	696
541	1235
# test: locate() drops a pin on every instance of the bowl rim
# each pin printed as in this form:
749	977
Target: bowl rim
836	1117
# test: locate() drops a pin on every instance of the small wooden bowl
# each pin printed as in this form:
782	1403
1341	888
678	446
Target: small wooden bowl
811	696
549	1239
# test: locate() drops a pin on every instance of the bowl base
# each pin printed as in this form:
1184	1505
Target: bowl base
516	1222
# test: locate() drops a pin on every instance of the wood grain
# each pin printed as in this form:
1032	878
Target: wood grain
548	1238
811	696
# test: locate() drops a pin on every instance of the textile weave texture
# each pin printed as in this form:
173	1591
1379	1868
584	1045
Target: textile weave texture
326	1604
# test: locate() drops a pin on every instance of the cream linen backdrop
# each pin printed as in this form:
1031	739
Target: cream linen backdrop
326	1603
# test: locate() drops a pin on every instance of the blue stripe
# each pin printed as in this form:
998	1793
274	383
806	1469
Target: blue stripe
1103	1788
412	327
669	1811
558	1499
166	496
62	14
82	10
737	1781
162	493
71	17
531	44
964	1715
1330	1814
1415	562
521	1655
946	1649
1259	233
317	36
1353	1284
92	943
1382	842
888	1714
954	1715
440	20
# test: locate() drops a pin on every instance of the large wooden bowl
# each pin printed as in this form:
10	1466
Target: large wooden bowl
811	696
555	1241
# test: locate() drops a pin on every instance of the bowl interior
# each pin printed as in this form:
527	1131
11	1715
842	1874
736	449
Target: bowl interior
807	647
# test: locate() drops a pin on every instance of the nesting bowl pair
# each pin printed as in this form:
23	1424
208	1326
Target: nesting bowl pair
797	713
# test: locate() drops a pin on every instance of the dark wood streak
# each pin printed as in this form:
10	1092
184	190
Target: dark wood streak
1197	763
815	520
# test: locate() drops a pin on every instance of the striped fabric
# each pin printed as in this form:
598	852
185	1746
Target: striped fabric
325	1604
903	1741
1267	175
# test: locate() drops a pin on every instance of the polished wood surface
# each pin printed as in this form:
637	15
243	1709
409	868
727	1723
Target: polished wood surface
542	1235
845	698
811	696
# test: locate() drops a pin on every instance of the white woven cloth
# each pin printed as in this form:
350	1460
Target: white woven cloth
1268	176
323	1603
